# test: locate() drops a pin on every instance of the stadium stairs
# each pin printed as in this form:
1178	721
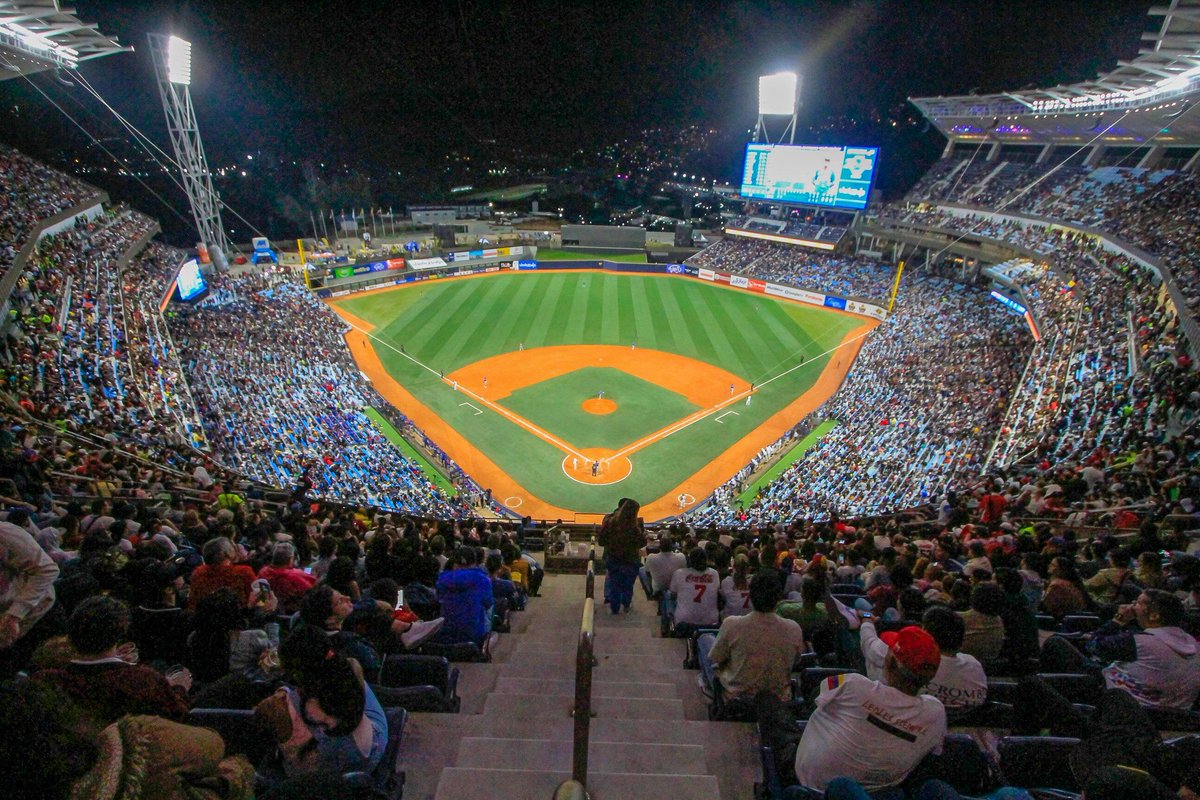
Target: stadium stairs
650	736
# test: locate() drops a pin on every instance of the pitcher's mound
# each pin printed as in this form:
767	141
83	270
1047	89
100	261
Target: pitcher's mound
599	405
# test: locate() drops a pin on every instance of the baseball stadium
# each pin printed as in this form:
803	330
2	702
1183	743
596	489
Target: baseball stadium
595	481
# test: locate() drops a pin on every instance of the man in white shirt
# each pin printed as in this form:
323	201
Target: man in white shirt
661	566
960	682
756	651
871	731
695	589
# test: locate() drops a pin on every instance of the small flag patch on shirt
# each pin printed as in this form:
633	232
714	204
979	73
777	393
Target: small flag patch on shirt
834	681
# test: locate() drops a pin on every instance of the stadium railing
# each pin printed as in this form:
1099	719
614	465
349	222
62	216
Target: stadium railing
576	787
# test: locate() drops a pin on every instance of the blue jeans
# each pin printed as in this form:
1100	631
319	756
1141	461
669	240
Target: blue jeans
619	581
708	670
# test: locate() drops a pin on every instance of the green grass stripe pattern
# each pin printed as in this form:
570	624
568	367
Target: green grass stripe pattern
447	324
403	445
791	457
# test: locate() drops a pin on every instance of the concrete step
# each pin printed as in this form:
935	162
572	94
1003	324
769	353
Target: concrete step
459	783
630	664
555	755
562	728
607	646
566	686
553	707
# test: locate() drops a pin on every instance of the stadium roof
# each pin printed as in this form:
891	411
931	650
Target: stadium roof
1142	99
37	35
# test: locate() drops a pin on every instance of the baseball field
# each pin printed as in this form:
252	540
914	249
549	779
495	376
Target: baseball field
564	391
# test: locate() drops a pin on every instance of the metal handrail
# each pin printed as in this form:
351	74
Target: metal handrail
582	709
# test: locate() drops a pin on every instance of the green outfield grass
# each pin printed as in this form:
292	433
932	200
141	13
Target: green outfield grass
447	324
554	254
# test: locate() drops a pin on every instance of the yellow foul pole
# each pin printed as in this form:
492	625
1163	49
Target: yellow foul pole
303	264
895	286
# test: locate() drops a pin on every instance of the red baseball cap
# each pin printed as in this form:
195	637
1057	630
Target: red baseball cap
915	649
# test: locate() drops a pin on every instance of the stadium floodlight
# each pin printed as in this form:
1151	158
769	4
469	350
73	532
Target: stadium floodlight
777	94
179	61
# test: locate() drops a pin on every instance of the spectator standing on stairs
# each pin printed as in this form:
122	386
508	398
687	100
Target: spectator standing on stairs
622	538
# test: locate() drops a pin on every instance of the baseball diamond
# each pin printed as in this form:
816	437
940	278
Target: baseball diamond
532	382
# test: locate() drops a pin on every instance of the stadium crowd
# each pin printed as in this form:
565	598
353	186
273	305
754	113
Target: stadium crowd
133	564
843	276
281	396
32	193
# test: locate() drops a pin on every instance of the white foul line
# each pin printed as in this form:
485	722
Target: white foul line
726	414
498	409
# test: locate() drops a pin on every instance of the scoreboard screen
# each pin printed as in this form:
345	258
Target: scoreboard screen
833	177
190	282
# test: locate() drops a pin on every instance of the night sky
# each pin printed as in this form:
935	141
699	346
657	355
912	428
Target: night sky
390	87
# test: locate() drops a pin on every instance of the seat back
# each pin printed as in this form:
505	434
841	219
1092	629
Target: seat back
1046	622
389	783
847	588
1076	687
1080	623
962	764
810	678
1037	762
400	671
243	733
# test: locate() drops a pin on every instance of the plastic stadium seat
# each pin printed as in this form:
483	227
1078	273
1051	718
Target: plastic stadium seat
962	764
991	714
1037	761
242	732
1174	719
384	782
423	672
846	599
1047	623
462	651
1080	623
847	588
1078	688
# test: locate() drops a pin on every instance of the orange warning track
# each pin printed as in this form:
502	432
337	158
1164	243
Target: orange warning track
703	384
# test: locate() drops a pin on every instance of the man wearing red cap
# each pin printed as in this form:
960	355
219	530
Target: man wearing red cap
876	732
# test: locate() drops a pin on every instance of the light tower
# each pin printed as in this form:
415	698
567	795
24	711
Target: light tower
172	59
778	96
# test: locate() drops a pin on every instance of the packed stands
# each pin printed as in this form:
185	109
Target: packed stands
281	396
32	192
841	275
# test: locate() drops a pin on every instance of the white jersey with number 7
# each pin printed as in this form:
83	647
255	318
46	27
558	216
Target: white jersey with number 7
696	596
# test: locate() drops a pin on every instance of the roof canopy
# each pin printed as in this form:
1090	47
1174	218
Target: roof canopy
37	35
1138	100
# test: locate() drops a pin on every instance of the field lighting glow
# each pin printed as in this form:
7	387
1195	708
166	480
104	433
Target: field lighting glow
179	61
777	93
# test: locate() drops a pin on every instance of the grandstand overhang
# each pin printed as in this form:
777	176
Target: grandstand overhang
1148	98
39	35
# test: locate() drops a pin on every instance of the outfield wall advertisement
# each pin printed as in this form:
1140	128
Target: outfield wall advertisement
736	281
792	293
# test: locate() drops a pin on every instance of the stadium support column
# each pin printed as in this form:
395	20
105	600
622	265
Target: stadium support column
171	57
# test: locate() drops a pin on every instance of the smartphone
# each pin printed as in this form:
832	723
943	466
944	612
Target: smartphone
867	615
308	570
399	598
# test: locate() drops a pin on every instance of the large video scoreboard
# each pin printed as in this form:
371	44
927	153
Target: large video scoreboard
833	177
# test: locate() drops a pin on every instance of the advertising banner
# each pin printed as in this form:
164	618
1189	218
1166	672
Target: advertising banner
395	263
526	263
739	281
757	285
835	302
675	269
706	274
426	263
792	293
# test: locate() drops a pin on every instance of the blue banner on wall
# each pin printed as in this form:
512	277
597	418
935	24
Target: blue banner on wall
526	263
835	302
